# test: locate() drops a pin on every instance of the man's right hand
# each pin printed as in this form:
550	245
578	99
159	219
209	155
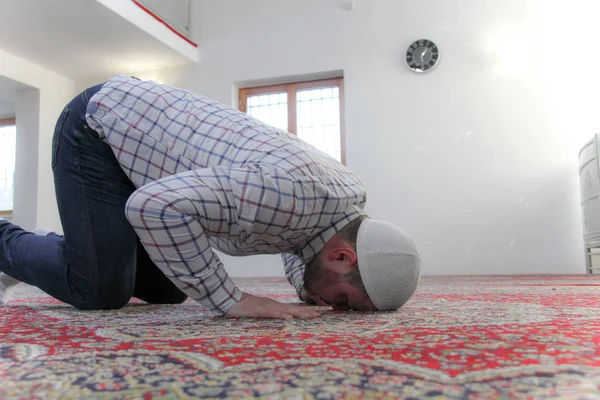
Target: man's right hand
262	307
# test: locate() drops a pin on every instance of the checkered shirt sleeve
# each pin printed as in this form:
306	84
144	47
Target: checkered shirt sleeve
294	270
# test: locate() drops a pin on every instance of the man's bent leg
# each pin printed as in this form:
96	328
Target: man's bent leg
93	265
91	191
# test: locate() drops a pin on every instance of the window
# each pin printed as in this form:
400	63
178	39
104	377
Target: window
8	131
311	110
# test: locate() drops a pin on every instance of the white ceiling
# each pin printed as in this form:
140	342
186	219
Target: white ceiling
80	39
8	93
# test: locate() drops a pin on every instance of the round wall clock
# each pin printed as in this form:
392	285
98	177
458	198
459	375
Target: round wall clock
422	56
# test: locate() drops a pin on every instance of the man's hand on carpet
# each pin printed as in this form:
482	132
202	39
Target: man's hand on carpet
262	307
311	299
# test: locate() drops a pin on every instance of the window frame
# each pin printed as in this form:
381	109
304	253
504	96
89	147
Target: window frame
291	89
7	122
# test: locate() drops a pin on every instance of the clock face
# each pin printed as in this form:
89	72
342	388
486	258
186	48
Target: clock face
422	55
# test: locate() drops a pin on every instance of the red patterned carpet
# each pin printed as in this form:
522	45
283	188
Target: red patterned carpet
535	337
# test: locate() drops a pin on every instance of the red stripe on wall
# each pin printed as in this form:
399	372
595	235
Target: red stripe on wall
165	23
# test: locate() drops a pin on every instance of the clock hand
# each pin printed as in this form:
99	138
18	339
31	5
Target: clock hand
423	54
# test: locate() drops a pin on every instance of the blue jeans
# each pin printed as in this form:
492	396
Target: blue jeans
99	262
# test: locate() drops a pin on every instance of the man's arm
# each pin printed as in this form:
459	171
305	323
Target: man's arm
173	218
168	217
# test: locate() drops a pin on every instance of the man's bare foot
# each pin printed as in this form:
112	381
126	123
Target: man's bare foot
7	283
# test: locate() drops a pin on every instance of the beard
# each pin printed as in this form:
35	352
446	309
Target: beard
318	278
311	275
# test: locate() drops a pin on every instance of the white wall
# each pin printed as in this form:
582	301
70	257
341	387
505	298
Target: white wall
26	163
55	91
477	159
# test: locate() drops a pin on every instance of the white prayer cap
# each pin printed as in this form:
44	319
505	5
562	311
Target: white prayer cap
389	263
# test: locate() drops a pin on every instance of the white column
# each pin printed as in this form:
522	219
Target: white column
26	162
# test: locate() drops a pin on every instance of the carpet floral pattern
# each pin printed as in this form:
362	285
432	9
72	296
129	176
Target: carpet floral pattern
503	337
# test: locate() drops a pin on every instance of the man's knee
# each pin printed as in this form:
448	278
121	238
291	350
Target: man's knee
103	304
113	301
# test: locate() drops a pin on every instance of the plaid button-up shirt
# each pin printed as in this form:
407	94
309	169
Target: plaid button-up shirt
211	177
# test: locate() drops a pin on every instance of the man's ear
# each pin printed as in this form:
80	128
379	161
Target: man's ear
343	255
